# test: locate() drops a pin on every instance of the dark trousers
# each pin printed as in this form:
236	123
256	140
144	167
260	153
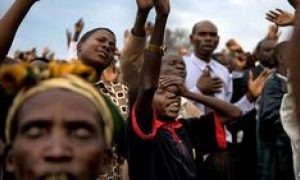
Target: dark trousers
275	161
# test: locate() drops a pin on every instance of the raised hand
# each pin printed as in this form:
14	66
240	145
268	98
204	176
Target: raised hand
209	85
144	5
280	17
255	86
162	7
79	25
45	52
10	23
173	84
273	33
69	37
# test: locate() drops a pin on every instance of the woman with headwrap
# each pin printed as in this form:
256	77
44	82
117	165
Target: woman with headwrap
58	128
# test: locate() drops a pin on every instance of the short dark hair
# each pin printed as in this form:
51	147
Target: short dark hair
91	32
200	23
258	46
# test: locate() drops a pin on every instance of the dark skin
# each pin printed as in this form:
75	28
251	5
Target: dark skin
264	53
98	50
10	23
102	44
151	68
294	3
205	39
143	10
49	132
173	68
171	88
209	85
173	65
280	56
138	30
174	86
69	37
78	27
280	17
293	62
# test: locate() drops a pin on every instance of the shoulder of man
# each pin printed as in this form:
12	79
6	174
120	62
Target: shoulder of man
187	58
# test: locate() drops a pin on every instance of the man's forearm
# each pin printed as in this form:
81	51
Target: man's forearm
225	108
10	22
149	76
139	24
151	67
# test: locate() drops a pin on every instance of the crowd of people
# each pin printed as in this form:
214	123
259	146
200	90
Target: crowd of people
147	113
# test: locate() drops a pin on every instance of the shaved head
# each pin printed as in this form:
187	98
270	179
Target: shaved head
205	23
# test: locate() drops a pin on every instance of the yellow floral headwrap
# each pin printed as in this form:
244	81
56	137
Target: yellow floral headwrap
15	76
71	83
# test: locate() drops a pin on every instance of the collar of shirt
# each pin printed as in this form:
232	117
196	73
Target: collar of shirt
201	64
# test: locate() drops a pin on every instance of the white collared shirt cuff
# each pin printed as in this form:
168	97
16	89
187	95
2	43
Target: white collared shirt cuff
244	105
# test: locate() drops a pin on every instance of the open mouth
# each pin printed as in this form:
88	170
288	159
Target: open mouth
173	107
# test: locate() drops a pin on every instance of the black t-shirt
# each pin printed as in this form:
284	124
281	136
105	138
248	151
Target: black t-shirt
167	155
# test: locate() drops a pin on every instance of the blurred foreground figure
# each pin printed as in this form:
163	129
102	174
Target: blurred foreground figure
59	128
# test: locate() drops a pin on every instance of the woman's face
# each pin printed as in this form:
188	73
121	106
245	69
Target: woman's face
58	135
98	49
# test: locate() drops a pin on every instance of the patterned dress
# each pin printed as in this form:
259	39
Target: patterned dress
118	93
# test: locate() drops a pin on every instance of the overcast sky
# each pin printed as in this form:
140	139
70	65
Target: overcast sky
46	23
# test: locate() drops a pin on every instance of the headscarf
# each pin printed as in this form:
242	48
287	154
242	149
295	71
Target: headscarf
61	77
70	83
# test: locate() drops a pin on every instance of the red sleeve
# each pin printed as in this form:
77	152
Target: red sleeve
137	129
220	132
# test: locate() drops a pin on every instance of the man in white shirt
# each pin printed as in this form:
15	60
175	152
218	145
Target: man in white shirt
205	75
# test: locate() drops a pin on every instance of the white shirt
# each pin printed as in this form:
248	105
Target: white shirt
292	127
195	68
72	51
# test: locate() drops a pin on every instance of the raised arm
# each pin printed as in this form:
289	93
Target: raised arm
280	17
10	23
78	27
228	110
151	68
273	33
132	54
144	7
293	59
69	37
